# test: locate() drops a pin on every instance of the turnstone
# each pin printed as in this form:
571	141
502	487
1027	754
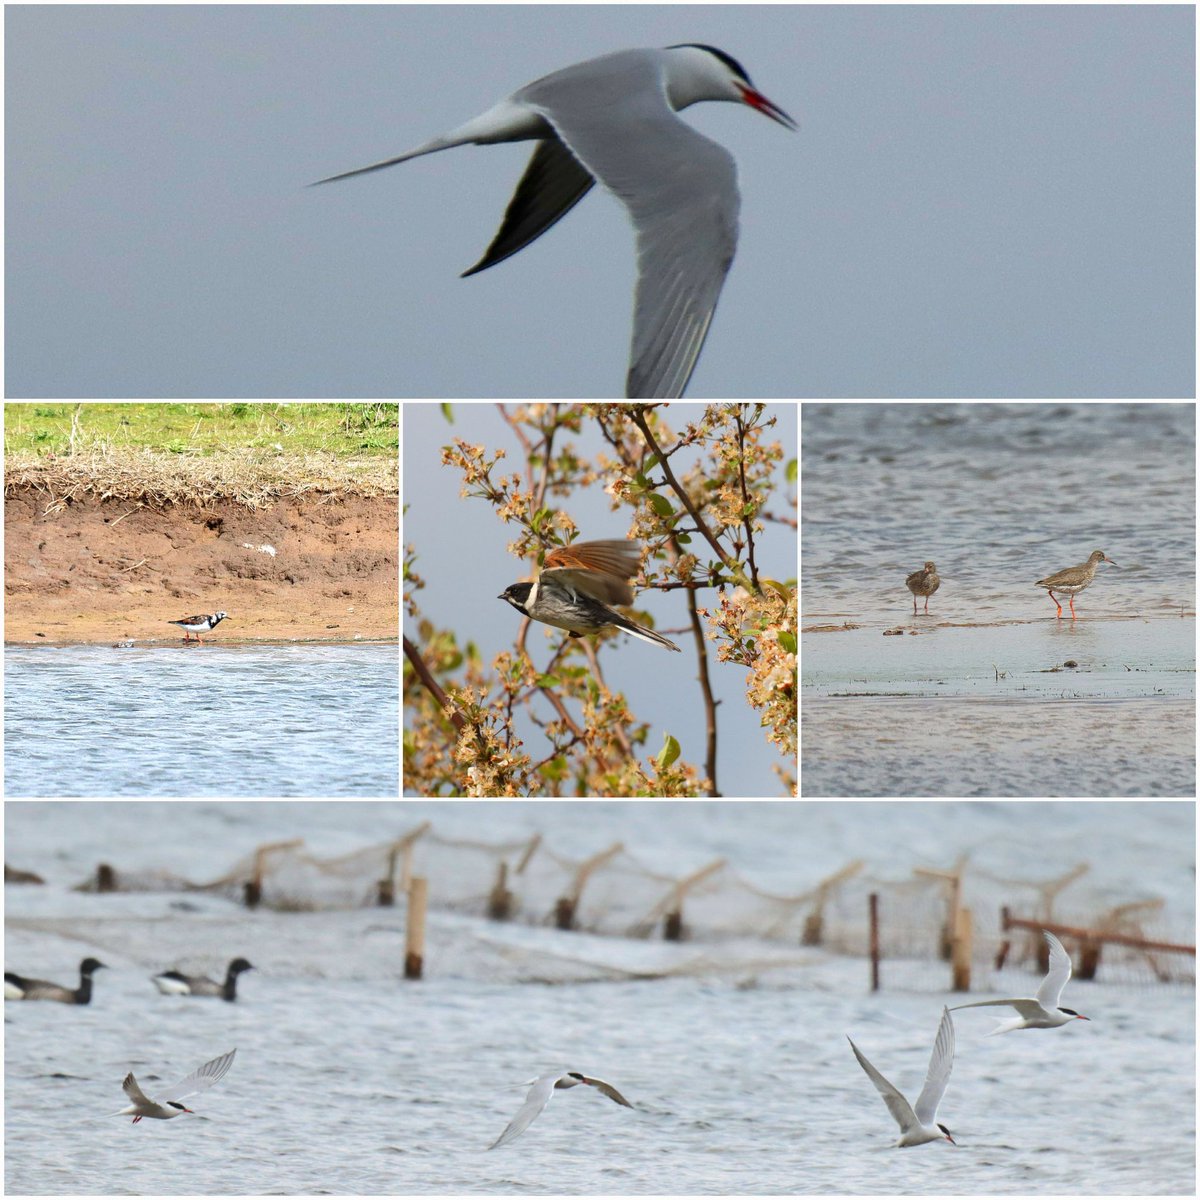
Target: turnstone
198	624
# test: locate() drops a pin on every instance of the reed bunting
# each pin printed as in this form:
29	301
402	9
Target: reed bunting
576	586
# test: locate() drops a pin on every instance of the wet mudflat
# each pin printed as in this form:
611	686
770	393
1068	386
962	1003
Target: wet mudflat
996	711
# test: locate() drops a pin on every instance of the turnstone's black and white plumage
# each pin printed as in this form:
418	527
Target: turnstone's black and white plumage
198	624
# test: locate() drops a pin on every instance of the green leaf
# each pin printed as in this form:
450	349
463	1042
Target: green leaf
669	753
791	470
787	641
548	681
661	505
448	413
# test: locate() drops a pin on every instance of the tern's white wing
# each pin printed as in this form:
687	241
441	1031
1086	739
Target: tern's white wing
1026	1007
201	1078
940	1063
135	1093
900	1108
681	192
538	1098
1056	977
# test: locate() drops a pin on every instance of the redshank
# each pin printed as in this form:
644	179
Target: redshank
1073	580
923	583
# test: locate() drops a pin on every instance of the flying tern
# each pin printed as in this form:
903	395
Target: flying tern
539	1096
168	1104
917	1124
1043	1011
17	987
613	119
174	983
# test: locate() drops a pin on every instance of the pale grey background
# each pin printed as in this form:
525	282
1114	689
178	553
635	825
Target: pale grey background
981	201
463	558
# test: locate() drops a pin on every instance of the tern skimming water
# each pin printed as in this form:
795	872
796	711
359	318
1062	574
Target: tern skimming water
1042	1011
167	1105
917	1123
613	119
539	1096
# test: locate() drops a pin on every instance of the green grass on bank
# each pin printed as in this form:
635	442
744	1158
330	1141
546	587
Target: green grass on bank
203	429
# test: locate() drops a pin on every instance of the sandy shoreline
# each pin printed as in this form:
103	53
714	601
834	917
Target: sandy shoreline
313	568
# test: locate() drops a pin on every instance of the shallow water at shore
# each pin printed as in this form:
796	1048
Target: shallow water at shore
201	720
998	496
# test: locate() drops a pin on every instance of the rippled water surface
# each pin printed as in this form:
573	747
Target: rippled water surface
201	720
998	496
350	1081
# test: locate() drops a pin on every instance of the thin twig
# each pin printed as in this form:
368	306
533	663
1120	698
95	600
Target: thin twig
747	520
639	419
122	517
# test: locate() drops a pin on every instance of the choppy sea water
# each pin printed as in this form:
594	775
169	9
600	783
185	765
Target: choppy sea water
349	1080
205	720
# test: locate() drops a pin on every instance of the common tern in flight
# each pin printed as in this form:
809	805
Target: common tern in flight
1043	1011
167	1105
539	1096
18	987
613	119
917	1125
174	983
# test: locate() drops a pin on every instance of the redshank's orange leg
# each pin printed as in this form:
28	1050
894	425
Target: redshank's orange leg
1056	604
926	603
1071	602
914	604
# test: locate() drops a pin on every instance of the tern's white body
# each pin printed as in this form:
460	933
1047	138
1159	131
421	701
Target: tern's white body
918	1123
168	1103
613	119
1042	1011
539	1096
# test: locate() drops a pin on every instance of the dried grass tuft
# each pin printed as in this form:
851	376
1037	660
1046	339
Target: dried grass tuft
253	478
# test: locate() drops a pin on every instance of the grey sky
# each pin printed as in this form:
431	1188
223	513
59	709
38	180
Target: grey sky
981	201
463	558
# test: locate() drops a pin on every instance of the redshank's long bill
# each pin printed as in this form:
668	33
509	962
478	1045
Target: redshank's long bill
923	583
1073	580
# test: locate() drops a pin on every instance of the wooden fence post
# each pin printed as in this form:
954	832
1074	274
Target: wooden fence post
414	934
873	902
500	899
960	952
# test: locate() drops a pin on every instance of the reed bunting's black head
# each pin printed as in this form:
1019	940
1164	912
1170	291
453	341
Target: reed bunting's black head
576	586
